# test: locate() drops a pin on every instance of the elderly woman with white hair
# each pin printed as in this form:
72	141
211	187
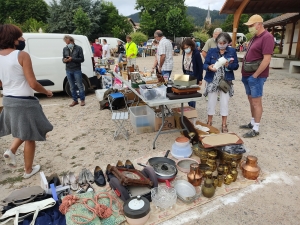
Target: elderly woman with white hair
214	76
211	43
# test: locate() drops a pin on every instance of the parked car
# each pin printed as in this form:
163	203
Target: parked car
111	41
150	42
46	55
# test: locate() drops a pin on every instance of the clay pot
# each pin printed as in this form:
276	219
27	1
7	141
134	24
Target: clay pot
208	189
250	169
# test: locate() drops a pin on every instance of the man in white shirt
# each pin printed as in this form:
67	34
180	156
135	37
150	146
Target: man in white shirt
105	49
164	54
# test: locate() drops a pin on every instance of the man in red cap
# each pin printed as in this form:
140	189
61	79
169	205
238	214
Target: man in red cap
255	70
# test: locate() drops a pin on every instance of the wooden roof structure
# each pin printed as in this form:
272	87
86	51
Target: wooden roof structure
289	7
262	6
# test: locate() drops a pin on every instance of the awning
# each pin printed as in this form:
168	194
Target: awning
282	20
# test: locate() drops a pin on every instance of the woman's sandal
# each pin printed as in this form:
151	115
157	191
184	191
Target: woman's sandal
224	129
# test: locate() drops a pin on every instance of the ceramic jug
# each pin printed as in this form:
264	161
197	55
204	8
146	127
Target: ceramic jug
250	169
208	189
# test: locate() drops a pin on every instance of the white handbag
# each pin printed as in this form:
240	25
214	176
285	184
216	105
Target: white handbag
26	210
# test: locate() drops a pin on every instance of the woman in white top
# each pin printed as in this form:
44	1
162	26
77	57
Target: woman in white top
22	115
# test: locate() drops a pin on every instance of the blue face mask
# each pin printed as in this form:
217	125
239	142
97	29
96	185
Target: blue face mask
70	45
187	50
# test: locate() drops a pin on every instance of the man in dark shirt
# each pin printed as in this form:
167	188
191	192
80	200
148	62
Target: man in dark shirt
73	57
260	51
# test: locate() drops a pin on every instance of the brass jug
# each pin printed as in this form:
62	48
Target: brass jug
195	175
208	189
228	179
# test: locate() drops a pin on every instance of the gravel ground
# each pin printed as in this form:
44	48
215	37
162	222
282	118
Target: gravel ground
83	137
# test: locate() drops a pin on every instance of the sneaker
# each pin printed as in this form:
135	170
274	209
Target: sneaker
35	169
10	158
247	126
250	134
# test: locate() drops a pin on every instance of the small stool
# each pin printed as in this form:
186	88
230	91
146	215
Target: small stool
119	117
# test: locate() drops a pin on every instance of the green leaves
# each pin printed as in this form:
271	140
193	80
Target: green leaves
174	20
82	22
138	37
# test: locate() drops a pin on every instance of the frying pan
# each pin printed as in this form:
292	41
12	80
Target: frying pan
162	160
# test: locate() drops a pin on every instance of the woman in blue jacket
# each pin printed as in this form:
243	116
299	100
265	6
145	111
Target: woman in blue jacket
192	62
213	77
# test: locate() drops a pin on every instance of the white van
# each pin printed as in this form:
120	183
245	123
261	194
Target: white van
240	37
111	41
46	52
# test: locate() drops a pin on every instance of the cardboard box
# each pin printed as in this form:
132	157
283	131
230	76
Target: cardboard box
188	111
184	80
168	125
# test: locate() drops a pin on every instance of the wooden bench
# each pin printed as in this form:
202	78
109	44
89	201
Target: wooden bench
294	67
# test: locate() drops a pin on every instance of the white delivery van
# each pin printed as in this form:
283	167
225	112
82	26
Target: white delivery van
46	52
240	37
111	41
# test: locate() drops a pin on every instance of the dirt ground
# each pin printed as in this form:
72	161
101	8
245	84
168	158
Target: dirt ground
83	137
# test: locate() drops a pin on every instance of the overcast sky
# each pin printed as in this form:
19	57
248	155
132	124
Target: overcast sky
126	7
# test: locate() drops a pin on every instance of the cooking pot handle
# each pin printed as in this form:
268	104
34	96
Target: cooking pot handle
167	153
168	183
140	164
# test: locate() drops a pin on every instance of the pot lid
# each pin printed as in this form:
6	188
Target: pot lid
164	169
136	207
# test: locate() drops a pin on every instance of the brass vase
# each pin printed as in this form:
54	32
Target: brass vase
195	175
228	179
208	189
250	169
234	174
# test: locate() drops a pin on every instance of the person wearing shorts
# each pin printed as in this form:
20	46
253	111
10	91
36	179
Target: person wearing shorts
260	50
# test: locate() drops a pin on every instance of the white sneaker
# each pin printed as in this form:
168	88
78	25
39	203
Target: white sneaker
35	169
10	158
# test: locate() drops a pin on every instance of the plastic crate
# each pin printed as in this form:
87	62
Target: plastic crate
153	93
142	119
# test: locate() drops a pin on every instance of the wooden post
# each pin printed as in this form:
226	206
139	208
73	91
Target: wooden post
298	47
291	40
281	39
236	19
273	30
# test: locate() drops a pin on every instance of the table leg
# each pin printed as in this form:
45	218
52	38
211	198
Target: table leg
181	117
162	124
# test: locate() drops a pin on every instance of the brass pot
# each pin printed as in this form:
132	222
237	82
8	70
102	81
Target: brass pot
208	189
220	180
234	174
220	170
228	179
227	158
208	174
211	154
250	169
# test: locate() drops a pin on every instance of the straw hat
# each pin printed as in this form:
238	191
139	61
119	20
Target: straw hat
254	19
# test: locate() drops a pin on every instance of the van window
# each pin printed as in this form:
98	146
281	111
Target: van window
43	48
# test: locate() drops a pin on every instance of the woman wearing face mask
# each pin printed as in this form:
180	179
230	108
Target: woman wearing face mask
22	114
192	62
214	76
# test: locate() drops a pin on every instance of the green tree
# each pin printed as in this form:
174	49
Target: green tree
249	36
227	25
33	26
158	11
82	22
202	35
147	24
138	37
174	18
22	10
111	19
62	14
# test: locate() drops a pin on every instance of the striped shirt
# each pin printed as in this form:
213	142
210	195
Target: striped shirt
165	48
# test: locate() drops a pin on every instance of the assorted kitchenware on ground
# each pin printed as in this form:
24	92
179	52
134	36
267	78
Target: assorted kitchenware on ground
125	191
